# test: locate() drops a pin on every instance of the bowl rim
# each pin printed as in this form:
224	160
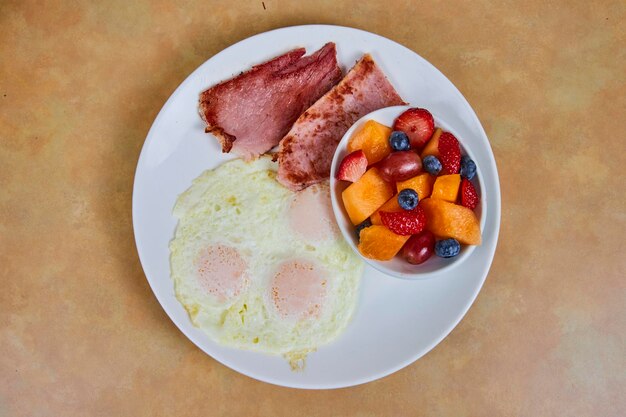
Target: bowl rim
348	235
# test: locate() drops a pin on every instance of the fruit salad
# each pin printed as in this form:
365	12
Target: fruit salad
412	192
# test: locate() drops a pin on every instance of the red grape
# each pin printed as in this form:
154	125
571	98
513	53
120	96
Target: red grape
400	166
419	247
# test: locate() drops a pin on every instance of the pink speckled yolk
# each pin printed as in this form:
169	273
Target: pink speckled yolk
310	214
222	271
298	289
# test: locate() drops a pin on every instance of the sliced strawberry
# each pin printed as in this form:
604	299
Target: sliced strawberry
405	222
469	196
352	167
449	153
418	124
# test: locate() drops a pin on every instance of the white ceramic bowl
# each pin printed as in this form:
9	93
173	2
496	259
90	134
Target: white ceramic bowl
398	267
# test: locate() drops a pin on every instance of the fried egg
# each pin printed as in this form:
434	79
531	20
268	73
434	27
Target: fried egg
260	267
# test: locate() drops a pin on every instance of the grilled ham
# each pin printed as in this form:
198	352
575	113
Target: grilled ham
250	113
306	152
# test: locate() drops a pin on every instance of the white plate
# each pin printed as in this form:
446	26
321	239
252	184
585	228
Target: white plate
396	321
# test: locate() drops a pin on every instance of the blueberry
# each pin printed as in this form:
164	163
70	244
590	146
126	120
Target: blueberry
447	248
432	165
399	141
408	199
468	167
361	226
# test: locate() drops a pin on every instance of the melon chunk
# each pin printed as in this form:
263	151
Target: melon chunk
432	146
447	187
373	139
380	243
364	197
449	220
422	184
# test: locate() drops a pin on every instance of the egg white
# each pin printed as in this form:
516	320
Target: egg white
241	205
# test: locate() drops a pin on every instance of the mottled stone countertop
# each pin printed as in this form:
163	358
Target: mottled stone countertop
81	333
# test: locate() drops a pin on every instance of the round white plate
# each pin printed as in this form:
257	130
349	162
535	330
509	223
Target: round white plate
397	321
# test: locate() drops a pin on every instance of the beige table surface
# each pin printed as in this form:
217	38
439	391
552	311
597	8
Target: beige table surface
81	333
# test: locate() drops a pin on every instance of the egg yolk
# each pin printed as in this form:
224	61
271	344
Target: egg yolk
298	289
311	215
222	271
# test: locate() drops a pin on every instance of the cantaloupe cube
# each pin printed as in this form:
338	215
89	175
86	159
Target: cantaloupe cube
364	197
432	146
380	243
447	187
373	139
422	184
448	220
390	206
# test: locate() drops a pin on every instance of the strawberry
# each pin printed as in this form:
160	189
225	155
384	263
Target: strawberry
418	124
449	153
405	222
469	196
352	167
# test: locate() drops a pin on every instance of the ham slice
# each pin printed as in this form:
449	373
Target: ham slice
249	114
306	152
